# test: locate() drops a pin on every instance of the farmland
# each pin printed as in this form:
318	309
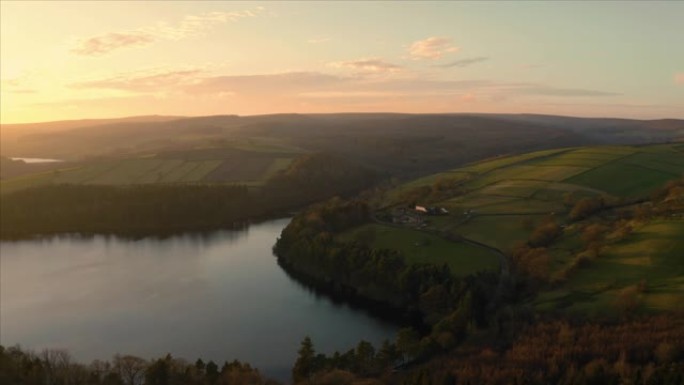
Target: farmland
501	201
649	262
419	247
194	166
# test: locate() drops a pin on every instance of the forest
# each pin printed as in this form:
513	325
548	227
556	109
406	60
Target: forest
164	209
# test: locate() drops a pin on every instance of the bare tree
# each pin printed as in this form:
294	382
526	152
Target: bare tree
100	369
131	369
57	363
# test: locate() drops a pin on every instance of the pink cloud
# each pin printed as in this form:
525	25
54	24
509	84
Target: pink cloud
679	78
190	25
365	66
102	44
432	48
146	81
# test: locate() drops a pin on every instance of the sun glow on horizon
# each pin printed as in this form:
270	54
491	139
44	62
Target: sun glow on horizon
75	60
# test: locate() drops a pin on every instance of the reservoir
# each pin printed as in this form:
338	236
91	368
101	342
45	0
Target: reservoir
216	296
38	160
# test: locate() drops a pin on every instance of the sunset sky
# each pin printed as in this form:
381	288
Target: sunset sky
70	60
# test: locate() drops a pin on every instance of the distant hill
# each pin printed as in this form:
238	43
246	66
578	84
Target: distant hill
30	138
77	123
403	145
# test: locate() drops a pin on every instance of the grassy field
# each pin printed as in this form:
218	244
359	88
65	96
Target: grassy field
211	165
502	232
420	247
650	261
500	201
622	179
501	162
533	180
23	182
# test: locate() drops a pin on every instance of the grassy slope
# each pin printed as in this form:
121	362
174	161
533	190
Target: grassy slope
419	247
652	256
506	197
535	184
244	163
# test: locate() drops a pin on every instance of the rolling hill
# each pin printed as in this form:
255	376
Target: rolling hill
628	245
402	145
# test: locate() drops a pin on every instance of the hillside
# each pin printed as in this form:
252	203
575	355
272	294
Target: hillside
590	228
550	202
160	196
403	145
501	258
250	165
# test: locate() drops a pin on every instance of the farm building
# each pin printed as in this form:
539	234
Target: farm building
431	210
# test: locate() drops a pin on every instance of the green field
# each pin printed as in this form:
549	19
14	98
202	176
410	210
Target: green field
651	257
500	201
498	163
622	179
214	165
538	182
513	188
421	247
23	182
502	232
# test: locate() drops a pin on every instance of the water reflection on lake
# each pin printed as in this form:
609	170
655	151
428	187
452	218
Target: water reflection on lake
38	160
218	296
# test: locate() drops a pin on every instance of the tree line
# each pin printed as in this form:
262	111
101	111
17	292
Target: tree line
57	367
163	209
448	306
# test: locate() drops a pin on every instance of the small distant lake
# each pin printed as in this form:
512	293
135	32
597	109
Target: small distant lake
219	296
38	160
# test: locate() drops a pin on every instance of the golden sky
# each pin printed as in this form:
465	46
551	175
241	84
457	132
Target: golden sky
72	60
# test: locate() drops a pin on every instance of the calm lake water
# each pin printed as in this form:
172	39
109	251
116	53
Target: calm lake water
218	296
38	160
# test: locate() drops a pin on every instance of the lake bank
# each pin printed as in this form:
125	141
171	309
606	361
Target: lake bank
220	296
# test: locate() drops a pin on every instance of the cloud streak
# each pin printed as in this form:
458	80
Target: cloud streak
16	86
191	25
103	44
463	62
368	66
288	90
432	48
154	80
544	90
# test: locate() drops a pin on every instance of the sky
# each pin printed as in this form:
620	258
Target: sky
75	60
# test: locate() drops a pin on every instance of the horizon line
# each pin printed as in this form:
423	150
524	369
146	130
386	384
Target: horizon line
180	117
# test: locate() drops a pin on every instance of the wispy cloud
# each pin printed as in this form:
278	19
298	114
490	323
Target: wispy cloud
368	66
102	44
463	62
679	78
23	91
292	86
152	80
432	48
267	84
191	25
16	86
545	90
